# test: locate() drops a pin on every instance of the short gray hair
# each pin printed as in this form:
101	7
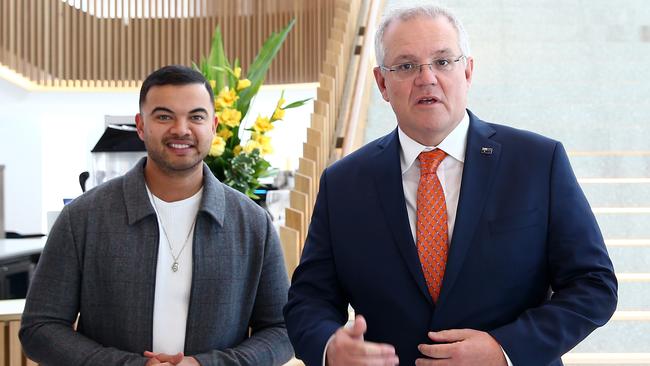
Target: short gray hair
404	14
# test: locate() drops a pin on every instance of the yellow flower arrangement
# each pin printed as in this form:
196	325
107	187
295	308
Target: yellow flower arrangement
263	124
236	163
229	117
226	98
218	146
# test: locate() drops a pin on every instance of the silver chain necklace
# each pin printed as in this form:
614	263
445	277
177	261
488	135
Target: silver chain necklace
175	265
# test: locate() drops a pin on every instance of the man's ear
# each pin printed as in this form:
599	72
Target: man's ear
381	83
215	124
139	125
469	70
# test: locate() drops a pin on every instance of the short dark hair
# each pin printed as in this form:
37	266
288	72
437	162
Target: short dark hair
173	75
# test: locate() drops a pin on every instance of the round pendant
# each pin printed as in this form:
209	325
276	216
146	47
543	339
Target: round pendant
175	267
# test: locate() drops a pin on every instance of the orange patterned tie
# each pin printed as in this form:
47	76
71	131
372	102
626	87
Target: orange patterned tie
432	222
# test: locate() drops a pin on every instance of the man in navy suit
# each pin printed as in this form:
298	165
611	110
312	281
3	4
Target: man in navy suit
526	272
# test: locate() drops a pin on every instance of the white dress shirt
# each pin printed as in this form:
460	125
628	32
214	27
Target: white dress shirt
450	171
450	174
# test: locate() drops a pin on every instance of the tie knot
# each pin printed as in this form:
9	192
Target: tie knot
429	161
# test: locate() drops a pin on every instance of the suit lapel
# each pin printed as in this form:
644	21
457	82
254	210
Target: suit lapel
388	182
481	160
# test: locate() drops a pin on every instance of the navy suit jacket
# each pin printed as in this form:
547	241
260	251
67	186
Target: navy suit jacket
527	262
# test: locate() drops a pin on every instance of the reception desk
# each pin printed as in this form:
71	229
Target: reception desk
11	249
10	349
18	258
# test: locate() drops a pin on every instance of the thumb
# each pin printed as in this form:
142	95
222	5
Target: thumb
359	327
177	358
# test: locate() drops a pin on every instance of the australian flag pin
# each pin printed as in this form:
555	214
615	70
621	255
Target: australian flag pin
486	150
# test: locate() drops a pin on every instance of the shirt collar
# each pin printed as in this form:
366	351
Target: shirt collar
454	145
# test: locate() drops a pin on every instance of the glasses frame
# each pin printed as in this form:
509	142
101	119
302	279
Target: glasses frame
405	75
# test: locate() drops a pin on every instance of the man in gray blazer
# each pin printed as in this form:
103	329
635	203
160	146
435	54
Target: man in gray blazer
164	265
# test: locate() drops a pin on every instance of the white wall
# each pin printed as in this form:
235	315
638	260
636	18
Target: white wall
48	137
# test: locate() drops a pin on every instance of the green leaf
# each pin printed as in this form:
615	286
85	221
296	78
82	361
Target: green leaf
232	80
297	103
261	64
217	58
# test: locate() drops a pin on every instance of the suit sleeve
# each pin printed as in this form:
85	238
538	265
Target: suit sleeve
46	333
317	306
583	283
268	343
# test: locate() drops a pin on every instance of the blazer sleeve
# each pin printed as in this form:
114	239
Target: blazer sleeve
583	283
46	333
317	306
268	343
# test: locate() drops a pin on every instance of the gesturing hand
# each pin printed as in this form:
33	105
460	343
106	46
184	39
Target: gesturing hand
348	348
460	347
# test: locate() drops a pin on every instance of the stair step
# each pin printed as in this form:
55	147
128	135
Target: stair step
628	222
634	164
633	277
621	210
624	243
626	332
615	192
614	180
633	291
630	259
613	359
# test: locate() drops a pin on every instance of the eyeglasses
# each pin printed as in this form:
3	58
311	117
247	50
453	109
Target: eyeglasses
408	70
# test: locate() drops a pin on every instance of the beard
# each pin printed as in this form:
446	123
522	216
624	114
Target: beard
176	165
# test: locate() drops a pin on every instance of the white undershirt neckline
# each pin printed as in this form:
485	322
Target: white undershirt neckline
172	289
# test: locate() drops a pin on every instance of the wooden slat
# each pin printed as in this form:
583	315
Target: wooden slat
3	340
77	18
298	201
54	43
310	152
321	108
4	30
307	168
303	183
14	349
294	220
320	123
153	25
291	246
32	73
102	46
122	66
315	138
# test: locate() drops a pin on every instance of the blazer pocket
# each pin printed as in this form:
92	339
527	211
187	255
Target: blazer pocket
515	221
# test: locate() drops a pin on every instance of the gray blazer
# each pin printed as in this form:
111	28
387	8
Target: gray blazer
100	263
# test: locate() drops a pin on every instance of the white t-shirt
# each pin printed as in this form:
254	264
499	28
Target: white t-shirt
172	292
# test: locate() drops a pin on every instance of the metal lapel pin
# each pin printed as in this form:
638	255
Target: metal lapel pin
486	150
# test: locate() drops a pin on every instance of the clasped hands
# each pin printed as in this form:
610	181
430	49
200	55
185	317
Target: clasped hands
162	359
455	347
